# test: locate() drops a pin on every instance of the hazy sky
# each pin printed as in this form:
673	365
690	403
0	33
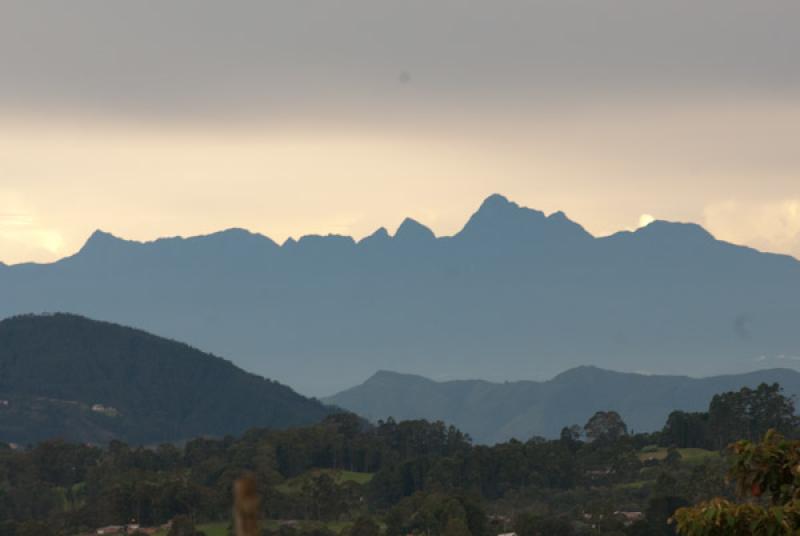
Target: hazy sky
155	118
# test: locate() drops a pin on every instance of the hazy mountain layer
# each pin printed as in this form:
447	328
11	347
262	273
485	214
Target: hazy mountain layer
515	295
493	412
70	377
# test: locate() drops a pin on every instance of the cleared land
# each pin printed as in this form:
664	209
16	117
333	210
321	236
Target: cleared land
690	456
295	485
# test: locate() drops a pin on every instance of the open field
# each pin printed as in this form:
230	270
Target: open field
690	456
221	528
209	529
294	485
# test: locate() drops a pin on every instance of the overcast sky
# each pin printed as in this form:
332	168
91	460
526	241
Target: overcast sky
154	118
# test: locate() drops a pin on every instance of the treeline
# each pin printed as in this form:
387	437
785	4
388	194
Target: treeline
412	477
744	414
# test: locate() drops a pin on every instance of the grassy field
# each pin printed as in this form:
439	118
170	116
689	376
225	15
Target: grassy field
351	476
209	529
638	484
214	529
335	526
294	485
221	529
691	456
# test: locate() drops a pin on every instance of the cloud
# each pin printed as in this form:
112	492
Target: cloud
770	226
30	244
269	60
12	219
22	234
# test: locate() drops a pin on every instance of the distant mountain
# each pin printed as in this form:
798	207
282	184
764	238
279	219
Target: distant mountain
515	294
69	377
494	412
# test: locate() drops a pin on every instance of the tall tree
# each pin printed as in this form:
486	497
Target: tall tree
749	413
606	426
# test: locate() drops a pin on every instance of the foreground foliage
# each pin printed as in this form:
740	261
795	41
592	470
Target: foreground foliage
767	474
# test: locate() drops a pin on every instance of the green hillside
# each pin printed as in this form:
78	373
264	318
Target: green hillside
70	377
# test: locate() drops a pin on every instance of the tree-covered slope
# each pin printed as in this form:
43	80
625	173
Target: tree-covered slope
54	369
492	412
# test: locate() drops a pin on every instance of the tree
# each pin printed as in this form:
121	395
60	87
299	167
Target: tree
571	434
528	524
456	526
605	426
686	430
182	526
749	413
346	423
34	528
769	474
659	511
673	457
744	414
322	496
365	526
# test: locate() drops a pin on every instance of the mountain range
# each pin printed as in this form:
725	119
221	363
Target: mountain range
516	294
73	378
496	412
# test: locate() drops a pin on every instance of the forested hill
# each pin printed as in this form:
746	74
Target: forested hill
57	371
492	412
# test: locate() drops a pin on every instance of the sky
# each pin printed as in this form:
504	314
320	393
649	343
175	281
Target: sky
152	118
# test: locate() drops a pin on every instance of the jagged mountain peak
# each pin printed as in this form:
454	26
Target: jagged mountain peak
330	244
497	202
497	221
498	217
559	215
102	242
319	246
102	237
411	229
380	236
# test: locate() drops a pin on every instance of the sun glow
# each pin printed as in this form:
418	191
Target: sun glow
645	220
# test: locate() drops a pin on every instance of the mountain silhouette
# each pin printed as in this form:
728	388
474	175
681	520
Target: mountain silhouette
516	294
496	412
70	377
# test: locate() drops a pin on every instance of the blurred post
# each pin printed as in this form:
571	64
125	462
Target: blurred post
246	506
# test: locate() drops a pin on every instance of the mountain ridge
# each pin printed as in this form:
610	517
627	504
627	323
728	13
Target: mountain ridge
495	412
513	294
496	213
